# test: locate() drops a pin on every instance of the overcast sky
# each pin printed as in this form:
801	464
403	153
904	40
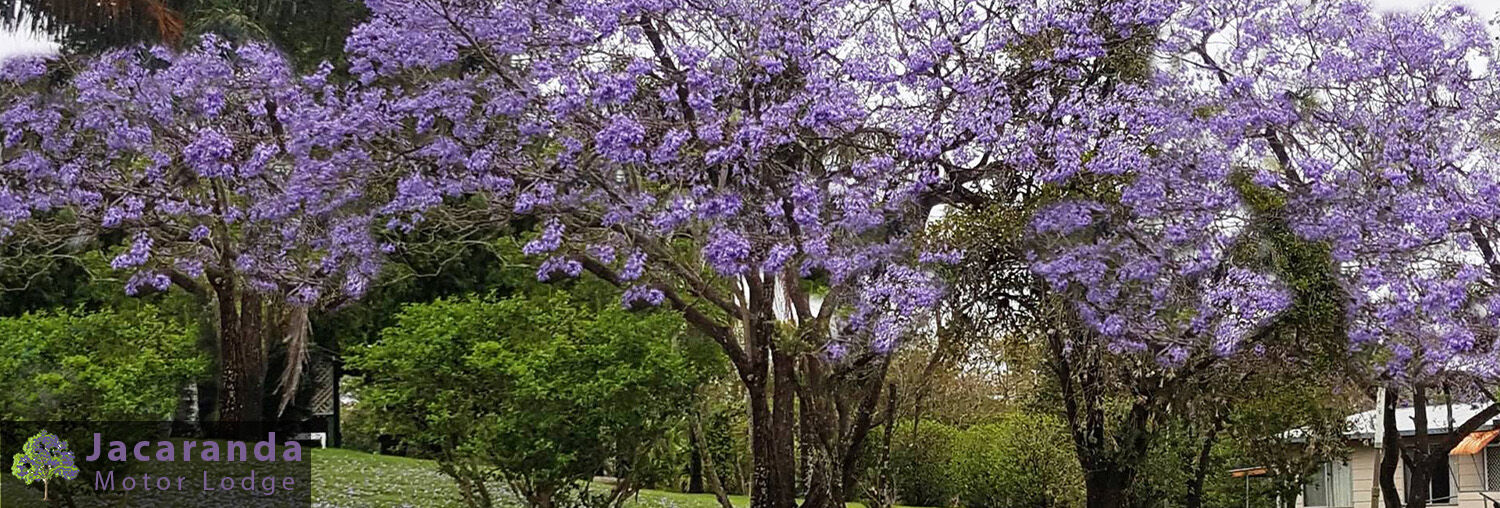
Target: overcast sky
1488	7
22	41
26	42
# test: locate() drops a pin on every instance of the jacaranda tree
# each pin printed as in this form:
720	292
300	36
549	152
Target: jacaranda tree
769	168
1374	132
223	174
759	165
1140	287
1139	246
1379	130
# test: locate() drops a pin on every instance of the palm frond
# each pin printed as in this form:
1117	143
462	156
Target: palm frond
298	331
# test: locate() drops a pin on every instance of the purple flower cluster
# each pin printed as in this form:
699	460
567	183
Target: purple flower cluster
557	267
642	295
549	240
726	251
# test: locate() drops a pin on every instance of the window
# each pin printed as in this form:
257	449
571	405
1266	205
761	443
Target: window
1315	491
1330	486
1441	489
1492	468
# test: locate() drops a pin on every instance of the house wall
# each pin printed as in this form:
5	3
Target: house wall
1468	469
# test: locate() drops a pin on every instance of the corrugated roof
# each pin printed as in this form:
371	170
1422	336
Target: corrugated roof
1249	471
1474	442
1362	425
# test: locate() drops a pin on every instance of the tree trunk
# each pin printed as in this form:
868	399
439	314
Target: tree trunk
820	429
838	412
769	487
817	459
784	424
1105	480
1106	488
773	459
1418	487
1390	455
695	463
772	453
241	363
886	486
1418	474
858	430
700	446
1201	468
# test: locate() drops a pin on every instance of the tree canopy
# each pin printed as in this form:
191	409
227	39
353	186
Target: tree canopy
774	170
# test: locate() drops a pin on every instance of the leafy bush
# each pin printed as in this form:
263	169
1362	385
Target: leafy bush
727	433
1024	459
114	364
359	424
921	462
539	391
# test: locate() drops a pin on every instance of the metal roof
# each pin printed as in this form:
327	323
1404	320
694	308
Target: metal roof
1362	425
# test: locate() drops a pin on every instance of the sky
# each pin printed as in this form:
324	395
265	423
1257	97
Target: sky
22	41
1486	6
25	42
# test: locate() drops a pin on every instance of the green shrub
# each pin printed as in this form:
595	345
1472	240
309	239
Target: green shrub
728	437
921	463
1023	460
541	391
122	365
359	425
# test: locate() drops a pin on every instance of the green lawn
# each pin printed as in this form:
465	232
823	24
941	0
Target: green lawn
344	478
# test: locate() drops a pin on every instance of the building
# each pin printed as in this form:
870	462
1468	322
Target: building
1472	479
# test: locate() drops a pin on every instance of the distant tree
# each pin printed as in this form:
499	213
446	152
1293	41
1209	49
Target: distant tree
44	457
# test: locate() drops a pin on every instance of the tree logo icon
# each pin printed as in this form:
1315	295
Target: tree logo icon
44	458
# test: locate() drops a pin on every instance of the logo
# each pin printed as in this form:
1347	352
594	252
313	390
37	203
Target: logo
155	463
45	458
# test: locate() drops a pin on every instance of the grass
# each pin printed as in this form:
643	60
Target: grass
349	478
651	498
345	478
